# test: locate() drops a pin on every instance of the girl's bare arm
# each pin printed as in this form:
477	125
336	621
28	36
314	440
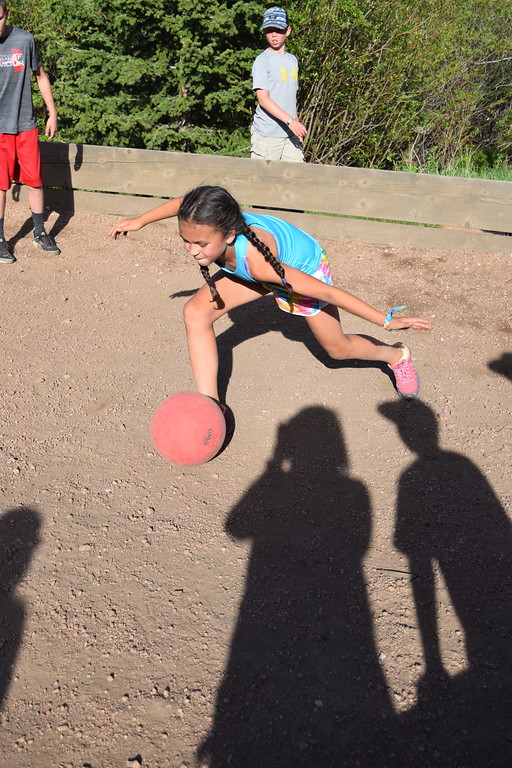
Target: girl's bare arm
164	211
308	285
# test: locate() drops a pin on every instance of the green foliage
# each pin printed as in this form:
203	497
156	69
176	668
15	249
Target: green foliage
26	14
154	74
400	83
403	79
474	165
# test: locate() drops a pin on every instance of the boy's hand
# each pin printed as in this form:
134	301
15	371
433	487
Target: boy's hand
298	129
51	127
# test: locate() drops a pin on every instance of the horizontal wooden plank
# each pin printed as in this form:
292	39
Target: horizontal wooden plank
323	227
141	172
389	195
398	235
70	201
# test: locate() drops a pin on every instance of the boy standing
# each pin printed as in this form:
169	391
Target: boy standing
19	143
276	133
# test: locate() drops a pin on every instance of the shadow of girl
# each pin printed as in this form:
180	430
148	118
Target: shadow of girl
263	316
19	536
303	686
448	517
503	365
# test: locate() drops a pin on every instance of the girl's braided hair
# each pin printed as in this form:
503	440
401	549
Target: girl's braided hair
217	208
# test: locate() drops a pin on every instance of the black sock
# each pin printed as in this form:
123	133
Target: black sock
38	219
2	236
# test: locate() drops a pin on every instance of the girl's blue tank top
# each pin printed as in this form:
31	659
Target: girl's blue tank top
295	247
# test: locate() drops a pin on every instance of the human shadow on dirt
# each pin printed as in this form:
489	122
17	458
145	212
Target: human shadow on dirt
503	365
19	536
303	685
59	199
450	520
63	219
263	316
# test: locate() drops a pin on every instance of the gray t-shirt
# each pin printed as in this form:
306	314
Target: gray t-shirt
277	73
18	56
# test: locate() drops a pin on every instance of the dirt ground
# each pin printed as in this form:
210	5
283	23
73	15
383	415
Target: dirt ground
333	590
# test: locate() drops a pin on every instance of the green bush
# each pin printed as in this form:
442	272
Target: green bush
401	83
154	74
402	80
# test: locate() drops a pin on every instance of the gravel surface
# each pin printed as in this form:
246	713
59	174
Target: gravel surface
333	590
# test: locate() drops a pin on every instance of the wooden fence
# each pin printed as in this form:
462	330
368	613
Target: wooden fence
330	202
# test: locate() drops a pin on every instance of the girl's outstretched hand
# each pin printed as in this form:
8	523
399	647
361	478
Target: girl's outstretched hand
400	323
128	225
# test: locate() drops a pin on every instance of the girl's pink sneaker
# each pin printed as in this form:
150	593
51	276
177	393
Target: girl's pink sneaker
406	378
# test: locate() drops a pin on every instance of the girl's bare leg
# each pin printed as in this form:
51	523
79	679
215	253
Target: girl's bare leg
200	315
326	328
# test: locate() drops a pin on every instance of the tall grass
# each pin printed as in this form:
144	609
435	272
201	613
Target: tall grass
477	165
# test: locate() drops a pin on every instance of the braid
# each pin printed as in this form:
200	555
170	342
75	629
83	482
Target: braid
211	285
269	257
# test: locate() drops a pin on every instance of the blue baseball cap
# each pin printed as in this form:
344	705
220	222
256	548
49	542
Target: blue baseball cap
275	18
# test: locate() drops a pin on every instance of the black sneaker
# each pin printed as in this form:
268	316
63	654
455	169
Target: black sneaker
6	256
46	243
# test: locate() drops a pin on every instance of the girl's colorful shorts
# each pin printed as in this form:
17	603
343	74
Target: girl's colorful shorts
306	306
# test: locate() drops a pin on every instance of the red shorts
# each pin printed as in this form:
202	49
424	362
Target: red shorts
20	159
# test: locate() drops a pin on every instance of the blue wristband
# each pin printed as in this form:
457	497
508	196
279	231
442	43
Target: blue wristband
390	314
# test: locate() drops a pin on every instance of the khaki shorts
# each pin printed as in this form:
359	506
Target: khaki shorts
269	148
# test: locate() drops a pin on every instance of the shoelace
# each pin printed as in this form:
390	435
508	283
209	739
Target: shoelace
404	369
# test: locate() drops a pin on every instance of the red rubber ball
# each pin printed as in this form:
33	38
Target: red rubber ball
188	429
